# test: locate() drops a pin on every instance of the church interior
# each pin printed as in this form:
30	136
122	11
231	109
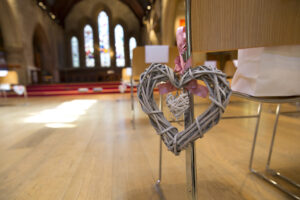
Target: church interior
149	99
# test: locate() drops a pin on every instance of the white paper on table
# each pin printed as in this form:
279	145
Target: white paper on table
268	71
19	89
5	86
212	63
156	54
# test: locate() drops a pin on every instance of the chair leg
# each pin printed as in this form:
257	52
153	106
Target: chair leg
255	137
260	175
159	162
157	184
268	169
273	136
25	95
160	146
132	102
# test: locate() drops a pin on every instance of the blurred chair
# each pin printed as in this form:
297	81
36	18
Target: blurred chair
253	66
268	170
126	75
8	82
139	65
229	68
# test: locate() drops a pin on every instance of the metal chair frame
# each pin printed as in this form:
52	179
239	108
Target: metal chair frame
4	94
268	170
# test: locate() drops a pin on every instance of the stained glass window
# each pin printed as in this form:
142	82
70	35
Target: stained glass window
89	46
75	51
132	45
119	45
103	27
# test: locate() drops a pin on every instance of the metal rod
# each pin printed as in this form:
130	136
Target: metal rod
191	171
271	181
132	102
255	136
157	185
189	117
25	95
274	183
268	169
5	95
278	174
188	28
191	174
160	146
273	136
292	99
159	162
242	117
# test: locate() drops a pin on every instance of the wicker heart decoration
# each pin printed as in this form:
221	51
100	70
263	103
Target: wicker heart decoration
178	105
219	93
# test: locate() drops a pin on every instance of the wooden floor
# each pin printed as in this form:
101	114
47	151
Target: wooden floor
85	148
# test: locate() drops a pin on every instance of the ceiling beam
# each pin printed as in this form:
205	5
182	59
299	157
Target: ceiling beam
136	8
61	8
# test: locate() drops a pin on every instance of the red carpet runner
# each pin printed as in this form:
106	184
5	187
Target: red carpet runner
73	89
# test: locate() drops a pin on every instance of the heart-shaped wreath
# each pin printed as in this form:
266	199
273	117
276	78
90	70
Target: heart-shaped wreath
219	93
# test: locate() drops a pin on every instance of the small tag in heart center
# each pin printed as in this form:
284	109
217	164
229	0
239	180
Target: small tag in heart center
178	105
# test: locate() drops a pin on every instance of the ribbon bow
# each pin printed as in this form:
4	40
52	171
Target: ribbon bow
181	66
193	87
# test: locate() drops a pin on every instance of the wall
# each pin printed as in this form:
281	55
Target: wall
163	21
18	20
152	29
168	19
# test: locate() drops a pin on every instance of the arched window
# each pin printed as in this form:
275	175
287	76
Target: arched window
132	45
75	51
103	27
89	46
119	44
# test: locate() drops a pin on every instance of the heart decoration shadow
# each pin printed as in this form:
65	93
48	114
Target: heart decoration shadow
219	94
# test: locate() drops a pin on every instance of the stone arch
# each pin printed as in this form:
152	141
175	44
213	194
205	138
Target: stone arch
101	7
8	25
12	42
42	56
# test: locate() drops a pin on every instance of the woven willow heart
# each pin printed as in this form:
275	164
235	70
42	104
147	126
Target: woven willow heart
219	93
178	105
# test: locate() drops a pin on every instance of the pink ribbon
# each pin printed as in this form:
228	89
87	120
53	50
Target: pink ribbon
193	87
181	66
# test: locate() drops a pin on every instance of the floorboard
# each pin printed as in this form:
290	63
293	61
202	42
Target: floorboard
85	147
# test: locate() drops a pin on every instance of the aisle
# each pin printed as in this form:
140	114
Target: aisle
84	147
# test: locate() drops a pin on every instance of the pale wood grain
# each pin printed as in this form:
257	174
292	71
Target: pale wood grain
219	25
103	157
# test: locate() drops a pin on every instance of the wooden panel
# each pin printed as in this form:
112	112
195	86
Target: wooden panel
10	78
219	25
138	60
